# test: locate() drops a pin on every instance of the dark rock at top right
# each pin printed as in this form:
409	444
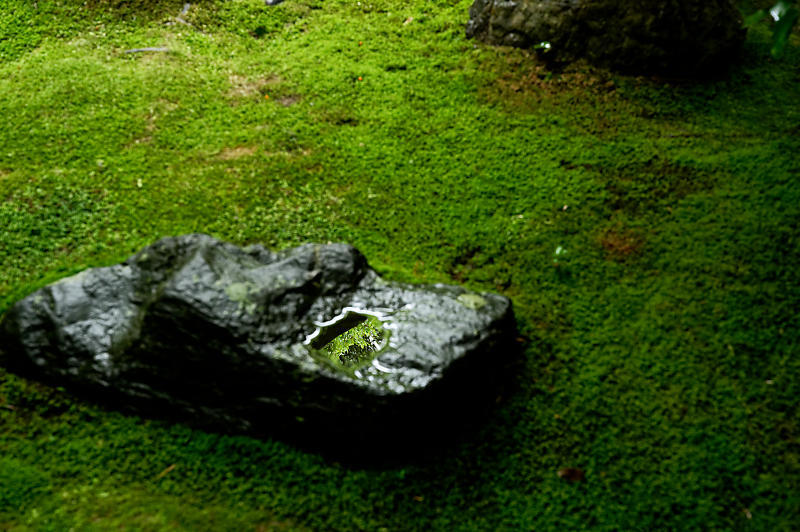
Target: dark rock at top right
651	37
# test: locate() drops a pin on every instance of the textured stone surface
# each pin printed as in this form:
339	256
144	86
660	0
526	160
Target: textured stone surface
644	36
213	334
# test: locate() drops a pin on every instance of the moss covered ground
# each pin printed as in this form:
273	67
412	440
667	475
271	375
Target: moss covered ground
661	372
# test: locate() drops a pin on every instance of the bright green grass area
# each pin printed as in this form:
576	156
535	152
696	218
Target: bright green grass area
662	352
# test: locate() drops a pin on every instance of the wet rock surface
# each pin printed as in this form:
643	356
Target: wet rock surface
679	37
233	338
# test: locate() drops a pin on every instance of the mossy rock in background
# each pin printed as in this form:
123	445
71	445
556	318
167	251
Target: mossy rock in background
645	37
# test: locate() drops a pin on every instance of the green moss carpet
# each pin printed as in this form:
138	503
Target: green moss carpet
661	368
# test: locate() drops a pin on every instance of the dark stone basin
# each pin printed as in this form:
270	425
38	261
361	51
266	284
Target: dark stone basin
245	339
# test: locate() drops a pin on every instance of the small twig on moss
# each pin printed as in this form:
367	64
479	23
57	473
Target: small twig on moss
164	473
185	10
151	49
182	20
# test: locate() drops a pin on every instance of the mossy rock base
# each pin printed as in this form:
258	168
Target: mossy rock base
676	37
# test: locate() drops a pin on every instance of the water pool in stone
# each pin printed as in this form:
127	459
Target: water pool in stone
351	339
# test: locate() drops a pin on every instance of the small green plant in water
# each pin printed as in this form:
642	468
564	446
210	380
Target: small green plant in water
349	340
357	345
